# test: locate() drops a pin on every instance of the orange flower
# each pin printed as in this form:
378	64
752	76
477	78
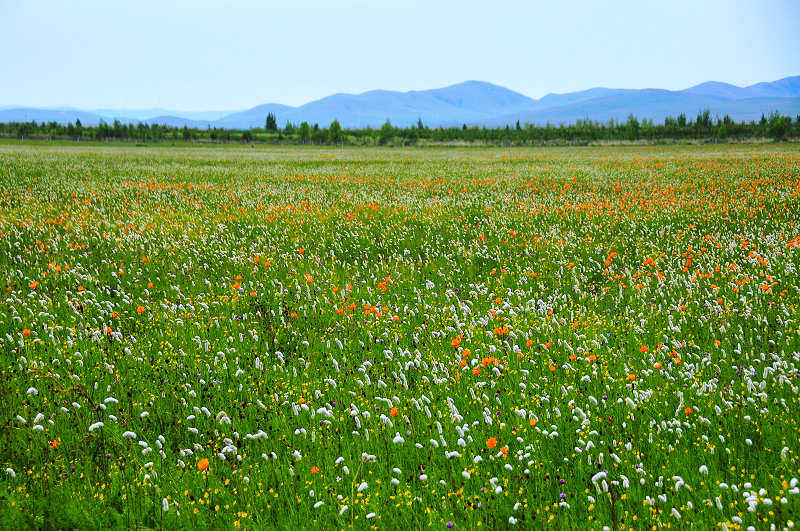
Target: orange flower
504	449
547	344
631	377
294	314
394	412
688	410
140	310
643	349
465	354
657	365
26	332
529	343
456	341
34	284
532	422
202	465
54	444
315	469
491	443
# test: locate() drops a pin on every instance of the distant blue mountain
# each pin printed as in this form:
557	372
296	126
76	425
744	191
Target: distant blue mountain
471	102
150	114
255	117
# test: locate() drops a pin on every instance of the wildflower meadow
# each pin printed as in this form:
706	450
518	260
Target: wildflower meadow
463	338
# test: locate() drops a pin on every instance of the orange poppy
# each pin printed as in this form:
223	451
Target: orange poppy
394	412
202	465
491	443
26	332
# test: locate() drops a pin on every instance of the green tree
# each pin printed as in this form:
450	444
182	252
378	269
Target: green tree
271	123
305	132
632	127
335	132
779	126
386	133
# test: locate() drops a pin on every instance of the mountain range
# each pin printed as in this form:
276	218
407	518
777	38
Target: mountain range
470	102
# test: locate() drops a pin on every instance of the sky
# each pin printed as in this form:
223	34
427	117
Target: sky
218	55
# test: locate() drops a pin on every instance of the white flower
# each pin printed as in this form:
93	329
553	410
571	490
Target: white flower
165	504
363	486
95	426
10	472
703	469
398	439
370	516
512	520
32	391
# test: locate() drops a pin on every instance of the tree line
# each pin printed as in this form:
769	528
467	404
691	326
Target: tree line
680	128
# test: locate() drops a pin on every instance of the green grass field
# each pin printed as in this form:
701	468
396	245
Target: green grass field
336	338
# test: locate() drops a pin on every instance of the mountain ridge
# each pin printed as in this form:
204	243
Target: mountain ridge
470	102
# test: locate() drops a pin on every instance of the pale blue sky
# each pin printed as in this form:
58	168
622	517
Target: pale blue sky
198	55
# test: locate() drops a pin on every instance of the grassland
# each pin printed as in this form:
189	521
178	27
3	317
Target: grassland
399	338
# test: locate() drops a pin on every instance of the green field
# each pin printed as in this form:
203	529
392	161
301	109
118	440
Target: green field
294	338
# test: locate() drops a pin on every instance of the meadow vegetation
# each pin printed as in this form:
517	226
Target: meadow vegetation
300	337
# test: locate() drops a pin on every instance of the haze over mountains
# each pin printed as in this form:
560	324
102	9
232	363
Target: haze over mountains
471	102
